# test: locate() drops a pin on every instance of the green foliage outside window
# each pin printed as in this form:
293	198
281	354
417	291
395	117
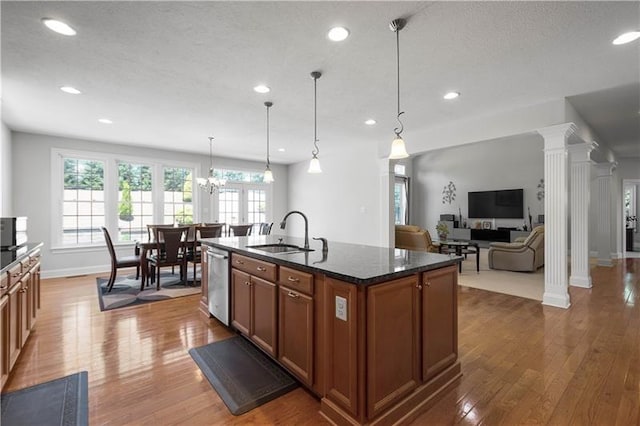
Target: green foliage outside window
125	208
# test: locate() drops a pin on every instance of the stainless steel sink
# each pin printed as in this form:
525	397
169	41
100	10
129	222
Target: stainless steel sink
279	248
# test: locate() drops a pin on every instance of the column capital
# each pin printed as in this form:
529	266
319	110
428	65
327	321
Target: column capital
606	169
556	136
581	152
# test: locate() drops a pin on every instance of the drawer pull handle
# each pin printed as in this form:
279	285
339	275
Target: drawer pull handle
239	262
293	280
261	268
247	283
292	294
15	274
419	287
3	287
428	283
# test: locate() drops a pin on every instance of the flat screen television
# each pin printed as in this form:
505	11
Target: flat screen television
503	204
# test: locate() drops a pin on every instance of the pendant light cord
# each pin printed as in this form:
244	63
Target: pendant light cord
210	155
398	130
268	163
316	151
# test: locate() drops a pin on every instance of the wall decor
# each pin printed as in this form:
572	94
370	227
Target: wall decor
448	193
540	193
486	224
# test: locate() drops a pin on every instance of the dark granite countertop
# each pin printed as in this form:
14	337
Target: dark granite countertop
9	258
358	264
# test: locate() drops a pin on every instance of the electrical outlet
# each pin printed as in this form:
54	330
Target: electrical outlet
341	308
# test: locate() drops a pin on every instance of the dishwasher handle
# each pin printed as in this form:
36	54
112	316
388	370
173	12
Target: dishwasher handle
218	256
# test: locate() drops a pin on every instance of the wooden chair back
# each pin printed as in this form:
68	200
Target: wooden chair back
240	230
171	239
112	251
209	231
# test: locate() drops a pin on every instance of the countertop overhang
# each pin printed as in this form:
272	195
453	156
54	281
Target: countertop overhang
354	263
10	258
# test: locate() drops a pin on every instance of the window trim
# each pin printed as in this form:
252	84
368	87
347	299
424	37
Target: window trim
110	196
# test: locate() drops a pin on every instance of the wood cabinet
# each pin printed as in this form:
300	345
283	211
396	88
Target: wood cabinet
254	302
393	342
19	306
296	325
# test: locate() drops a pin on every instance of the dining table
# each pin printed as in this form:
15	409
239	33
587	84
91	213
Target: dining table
147	246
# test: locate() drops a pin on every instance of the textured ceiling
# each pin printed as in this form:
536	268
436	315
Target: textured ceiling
169	74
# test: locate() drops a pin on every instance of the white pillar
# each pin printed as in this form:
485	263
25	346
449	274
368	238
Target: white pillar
387	220
555	214
604	200
580	196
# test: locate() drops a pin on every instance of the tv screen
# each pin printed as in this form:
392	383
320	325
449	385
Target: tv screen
504	204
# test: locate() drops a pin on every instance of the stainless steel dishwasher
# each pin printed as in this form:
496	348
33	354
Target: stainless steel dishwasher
219	283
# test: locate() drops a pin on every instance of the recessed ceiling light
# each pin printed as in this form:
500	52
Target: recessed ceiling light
59	27
451	95
370	122
627	37
281	149
70	90
262	89
338	33
105	121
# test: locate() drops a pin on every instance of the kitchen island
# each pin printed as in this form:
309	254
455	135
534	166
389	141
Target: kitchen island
371	331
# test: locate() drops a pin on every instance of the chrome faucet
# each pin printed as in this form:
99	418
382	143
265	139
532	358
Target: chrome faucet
306	226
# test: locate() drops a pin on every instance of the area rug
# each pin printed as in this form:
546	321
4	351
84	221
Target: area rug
63	401
529	285
243	376
126	290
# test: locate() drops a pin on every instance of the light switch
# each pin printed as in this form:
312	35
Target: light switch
341	308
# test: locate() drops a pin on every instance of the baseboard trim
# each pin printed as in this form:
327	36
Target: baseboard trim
583	282
556	300
70	272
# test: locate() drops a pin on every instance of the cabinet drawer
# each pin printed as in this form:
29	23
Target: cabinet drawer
296	280
255	267
14	274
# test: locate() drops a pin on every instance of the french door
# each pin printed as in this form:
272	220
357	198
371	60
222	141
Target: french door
244	203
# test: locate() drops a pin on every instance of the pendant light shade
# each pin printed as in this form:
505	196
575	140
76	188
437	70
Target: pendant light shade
268	175
398	149
314	164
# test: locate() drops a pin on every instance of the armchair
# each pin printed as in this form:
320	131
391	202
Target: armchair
411	237
521	256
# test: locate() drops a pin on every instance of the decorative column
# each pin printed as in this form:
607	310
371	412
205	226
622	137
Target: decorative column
604	200
580	182
555	214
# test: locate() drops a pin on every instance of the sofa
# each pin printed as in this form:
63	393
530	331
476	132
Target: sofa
411	237
519	256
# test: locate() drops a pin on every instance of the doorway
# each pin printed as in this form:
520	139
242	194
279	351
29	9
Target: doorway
630	210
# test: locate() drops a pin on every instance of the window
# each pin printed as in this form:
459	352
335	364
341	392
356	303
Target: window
245	199
631	219
83	201
401	200
135	200
178	195
91	190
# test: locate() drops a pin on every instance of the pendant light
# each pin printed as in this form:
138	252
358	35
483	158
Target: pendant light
398	149
268	175
211	184
314	164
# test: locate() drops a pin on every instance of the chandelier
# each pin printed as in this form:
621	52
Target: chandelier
211	184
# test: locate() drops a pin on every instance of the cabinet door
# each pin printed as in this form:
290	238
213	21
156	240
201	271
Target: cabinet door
241	301
4	340
25	308
204	281
295	320
439	320
264	316
393	342
34	296
14	326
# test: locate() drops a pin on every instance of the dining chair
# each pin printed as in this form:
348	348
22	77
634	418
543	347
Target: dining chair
195	252
119	262
240	230
171	250
265	228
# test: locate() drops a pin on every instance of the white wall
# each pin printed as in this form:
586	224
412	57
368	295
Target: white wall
343	202
508	163
5	172
31	189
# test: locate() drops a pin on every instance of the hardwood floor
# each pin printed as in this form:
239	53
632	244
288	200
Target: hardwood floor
522	362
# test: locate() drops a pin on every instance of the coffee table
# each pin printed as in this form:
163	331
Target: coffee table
461	248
